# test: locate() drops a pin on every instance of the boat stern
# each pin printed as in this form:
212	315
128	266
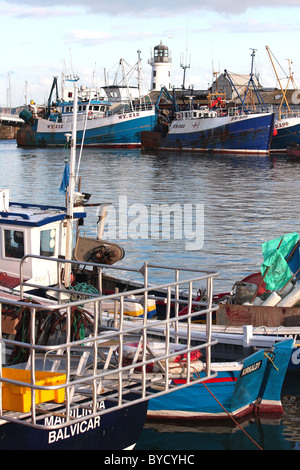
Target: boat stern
276	367
150	140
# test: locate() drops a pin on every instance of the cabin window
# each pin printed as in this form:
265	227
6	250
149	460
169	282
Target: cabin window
47	242
14	243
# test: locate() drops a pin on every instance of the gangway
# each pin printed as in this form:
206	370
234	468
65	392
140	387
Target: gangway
7	119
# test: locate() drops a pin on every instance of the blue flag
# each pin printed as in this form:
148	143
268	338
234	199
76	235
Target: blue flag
65	179
293	259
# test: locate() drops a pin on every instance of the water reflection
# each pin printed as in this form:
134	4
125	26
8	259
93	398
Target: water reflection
254	434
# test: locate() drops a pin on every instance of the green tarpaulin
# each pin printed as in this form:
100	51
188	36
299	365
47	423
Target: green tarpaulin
286	246
275	268
278	273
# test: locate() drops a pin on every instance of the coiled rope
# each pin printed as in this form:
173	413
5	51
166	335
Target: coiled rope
82	290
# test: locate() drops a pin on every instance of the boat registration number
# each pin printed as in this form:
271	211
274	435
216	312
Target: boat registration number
252	368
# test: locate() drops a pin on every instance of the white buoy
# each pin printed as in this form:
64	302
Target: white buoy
272	300
287	289
291	299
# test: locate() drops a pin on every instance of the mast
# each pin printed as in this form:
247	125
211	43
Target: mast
251	81
183	63
139	74
71	190
125	82
279	82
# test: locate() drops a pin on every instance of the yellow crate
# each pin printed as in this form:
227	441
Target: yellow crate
18	397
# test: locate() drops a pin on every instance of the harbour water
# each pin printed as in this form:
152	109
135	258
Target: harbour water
234	202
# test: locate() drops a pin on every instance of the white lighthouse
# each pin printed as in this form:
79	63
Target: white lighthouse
161	68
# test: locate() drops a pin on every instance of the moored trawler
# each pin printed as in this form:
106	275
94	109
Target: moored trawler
226	131
99	127
100	122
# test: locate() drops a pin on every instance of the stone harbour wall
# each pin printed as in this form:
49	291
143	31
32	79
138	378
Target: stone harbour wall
8	132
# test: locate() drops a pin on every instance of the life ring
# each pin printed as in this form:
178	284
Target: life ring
90	115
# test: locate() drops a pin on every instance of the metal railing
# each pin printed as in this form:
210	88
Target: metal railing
93	365
84	116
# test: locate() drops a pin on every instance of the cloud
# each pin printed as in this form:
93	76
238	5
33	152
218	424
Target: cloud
251	24
137	8
16	10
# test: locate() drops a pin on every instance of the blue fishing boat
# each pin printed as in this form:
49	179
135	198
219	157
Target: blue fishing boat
253	385
100	123
99	127
286	133
206	130
222	130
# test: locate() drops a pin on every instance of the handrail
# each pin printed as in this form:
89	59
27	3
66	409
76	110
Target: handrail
143	270
115	380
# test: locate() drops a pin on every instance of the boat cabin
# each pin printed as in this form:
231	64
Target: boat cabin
93	108
201	113
31	229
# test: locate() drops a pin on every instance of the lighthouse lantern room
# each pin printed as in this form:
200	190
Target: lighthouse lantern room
161	67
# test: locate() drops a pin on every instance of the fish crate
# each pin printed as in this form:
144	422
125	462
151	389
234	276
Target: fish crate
18	397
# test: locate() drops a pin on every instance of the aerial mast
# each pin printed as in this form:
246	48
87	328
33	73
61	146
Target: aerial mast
71	188
279	82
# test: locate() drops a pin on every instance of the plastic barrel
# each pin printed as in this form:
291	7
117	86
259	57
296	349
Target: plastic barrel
26	115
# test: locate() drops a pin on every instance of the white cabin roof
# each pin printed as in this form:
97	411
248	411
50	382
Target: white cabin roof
35	215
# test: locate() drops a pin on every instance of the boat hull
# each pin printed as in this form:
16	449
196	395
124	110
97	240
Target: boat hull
257	387
243	134
293	151
286	132
119	430
115	131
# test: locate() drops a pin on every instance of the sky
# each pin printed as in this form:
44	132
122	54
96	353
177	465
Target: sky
40	40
